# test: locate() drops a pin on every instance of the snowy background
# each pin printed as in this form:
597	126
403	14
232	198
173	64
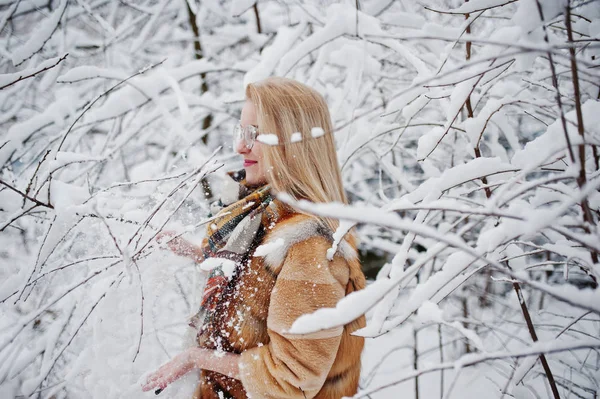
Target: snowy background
468	136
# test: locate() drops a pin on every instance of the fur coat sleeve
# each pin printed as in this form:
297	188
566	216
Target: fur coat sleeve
296	366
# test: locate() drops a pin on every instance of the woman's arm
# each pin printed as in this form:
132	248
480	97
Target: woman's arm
181	246
296	366
193	358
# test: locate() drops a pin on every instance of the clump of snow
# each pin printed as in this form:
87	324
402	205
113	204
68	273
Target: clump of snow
346	310
268	139
340	20
296	137
339	234
429	141
399	103
40	35
459	95
271	55
551	145
317	132
411	109
144	88
476	125
270	247
56	113
64	195
527	15
452	177
226	265
430	311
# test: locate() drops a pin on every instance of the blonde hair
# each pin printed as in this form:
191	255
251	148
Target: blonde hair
306	169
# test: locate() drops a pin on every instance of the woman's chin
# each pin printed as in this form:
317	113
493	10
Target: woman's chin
253	180
250	179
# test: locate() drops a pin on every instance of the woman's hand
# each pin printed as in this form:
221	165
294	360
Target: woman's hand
193	358
175	369
180	246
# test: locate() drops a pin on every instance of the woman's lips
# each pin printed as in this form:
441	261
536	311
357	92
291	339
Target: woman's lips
248	162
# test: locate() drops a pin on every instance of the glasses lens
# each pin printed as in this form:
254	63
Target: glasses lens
250	136
237	135
247	134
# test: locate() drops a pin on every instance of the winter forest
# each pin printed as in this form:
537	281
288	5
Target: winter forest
468	135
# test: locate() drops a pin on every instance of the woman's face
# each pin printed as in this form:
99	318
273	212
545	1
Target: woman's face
253	158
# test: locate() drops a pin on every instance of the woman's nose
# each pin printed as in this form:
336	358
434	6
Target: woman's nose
240	147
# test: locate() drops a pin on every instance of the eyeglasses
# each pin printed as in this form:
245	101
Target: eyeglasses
248	134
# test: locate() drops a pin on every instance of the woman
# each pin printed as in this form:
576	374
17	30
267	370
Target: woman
252	296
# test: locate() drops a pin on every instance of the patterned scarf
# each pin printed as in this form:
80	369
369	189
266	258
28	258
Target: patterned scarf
236	231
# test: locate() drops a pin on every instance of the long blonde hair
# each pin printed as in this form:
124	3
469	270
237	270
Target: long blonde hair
306	169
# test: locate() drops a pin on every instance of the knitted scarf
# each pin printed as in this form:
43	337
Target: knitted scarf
233	235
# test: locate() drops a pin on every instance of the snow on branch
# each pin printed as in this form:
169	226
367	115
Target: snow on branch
469	142
40	36
10	79
473	359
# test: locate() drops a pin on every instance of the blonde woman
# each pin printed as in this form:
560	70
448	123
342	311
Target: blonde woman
252	296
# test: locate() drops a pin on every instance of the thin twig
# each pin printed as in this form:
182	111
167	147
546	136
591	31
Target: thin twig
23	77
581	179
476	358
22	194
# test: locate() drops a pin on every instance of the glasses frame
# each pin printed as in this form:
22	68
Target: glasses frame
248	134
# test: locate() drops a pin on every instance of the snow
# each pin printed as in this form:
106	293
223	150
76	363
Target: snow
140	88
339	234
11	77
475	126
317	132
238	7
477	5
296	137
452	177
442	233
265	249
340	20
64	158
551	145
409	110
429	141
356	303
569	250
68	197
271	55
430	311
57	112
403	19
527	15
89	72
149	26
226	265
459	96
39	36
268	138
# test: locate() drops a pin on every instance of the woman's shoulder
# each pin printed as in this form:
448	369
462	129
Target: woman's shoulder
304	237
